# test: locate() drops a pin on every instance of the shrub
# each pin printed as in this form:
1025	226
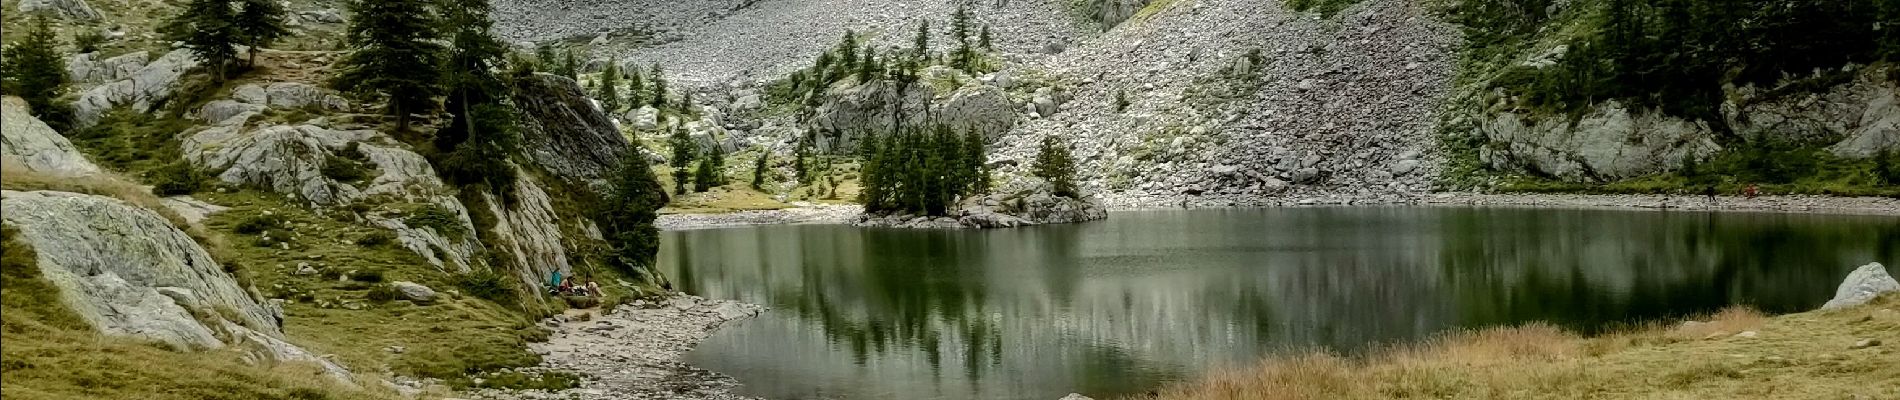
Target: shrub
177	178
486	284
343	169
432	216
382	293
376	239
259	223
371	276
89	41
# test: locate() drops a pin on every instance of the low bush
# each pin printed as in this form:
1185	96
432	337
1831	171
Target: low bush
370	276
382	293
432	216
487	284
176	179
376	239
259	223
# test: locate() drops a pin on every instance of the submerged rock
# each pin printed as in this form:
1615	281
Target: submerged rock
1861	286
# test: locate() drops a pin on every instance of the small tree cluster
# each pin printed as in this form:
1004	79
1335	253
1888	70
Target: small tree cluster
684	151
711	171
1054	164
212	30
396	51
921	170
626	216
33	69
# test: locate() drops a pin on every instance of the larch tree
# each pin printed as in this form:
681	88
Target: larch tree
34	69
260	23
395	51
1053	163
684	150
626	216
610	87
208	28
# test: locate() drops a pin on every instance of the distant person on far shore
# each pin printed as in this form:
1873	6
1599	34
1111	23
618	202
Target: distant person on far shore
1710	192
1752	191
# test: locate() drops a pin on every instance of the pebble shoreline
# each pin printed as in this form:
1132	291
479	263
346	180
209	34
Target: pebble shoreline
636	351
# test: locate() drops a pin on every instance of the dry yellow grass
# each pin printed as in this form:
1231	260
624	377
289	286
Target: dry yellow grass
1797	356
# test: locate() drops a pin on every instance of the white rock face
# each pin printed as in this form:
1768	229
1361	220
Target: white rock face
36	146
530	231
141	91
1610	143
415	292
86	68
129	272
76	10
1861	117
1861	286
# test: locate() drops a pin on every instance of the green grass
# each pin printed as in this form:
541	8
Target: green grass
1325	8
455	336
50	353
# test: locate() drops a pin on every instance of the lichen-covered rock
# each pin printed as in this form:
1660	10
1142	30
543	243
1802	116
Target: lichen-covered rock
34	145
129	272
1612	142
1861	286
529	230
982	108
849	111
141	91
77	10
1861	117
563	133
415	292
87	68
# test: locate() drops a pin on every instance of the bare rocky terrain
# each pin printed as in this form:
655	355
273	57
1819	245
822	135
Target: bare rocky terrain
635	351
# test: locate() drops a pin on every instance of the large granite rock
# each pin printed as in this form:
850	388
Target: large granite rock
88	68
142	91
1612	142
76	10
529	231
128	272
1859	118
563	133
981	108
34	145
1861	286
850	111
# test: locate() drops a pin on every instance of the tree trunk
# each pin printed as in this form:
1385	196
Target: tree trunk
402	118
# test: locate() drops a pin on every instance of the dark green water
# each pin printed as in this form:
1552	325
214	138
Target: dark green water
1124	305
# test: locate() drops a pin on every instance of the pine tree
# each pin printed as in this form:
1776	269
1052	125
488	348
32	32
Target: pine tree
1053	163
260	23
705	177
759	169
634	88
683	153
571	65
978	160
718	159
34	70
610	87
922	42
983	38
209	29
867	69
659	87
469	79
627	213
847	54
799	165
872	191
965	57
545	55
395	51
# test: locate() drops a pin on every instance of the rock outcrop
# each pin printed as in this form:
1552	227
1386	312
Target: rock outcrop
562	133
1610	143
878	106
88	68
34	145
1861	286
142	91
297	160
1859	118
127	271
76	10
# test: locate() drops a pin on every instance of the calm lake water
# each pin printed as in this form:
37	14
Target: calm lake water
1125	305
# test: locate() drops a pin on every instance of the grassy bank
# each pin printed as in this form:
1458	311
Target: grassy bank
1796	356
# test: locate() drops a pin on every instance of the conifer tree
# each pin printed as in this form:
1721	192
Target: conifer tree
964	57
758	171
571	65
868	149
545	55
34	70
718	159
395	51
868	69
658	77
610	87
922	42
260	23
978	160
209	29
1053	163
983	39
847	54
627	213
704	177
683	154
634	88
469	79
799	164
